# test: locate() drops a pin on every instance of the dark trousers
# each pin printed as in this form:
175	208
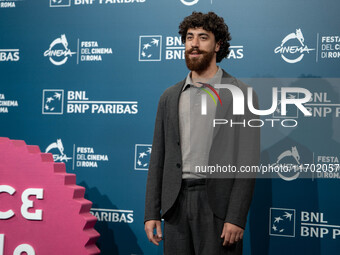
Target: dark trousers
191	228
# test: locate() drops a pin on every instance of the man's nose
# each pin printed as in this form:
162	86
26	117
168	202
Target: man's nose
195	42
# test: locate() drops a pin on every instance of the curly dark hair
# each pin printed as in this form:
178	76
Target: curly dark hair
210	22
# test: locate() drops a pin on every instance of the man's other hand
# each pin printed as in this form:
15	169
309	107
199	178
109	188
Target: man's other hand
231	234
150	225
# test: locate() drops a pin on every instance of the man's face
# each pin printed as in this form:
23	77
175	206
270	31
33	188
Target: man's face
200	49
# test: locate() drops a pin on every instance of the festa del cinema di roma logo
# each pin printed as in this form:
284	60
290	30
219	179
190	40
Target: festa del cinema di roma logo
293	53
58	145
189	3
58	52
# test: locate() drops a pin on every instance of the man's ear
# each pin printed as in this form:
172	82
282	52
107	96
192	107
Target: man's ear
217	46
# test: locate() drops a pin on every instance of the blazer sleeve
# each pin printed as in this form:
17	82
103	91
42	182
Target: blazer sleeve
248	154
155	173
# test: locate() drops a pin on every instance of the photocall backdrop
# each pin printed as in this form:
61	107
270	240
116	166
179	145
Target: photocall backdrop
82	79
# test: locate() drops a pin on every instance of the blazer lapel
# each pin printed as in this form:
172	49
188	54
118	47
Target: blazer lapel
174	105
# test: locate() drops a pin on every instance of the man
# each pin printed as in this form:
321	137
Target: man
202	215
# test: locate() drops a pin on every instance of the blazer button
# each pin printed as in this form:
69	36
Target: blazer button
178	143
178	165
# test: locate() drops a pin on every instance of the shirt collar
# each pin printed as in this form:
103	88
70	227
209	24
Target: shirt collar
214	80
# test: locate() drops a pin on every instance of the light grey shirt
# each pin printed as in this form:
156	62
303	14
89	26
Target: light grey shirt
196	130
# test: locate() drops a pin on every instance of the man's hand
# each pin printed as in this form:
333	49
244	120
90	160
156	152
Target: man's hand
150	225
231	233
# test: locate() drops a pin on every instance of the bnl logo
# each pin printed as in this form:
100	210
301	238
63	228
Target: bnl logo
282	222
150	48
60	3
53	101
142	156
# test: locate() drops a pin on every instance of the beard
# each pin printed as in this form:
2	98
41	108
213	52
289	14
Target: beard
200	63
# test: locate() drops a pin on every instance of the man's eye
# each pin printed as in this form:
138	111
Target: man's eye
189	37
204	37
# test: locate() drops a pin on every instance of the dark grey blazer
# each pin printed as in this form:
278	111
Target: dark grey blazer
229	198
